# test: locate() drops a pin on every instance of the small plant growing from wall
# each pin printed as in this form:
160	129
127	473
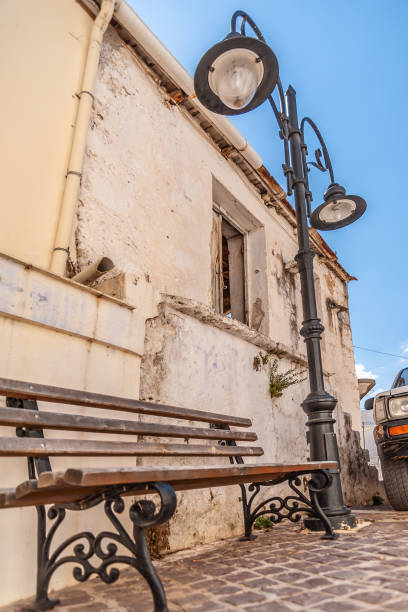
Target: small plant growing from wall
278	381
263	522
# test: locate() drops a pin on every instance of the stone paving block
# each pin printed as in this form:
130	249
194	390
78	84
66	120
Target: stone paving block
373	597
90	607
396	562
343	574
264	584
213	606
299	565
341	589
186	601
307	599
219	571
315	583
342	605
207	583
74	596
241	576
227	589
399	586
251	563
271	606
292	577
271	571
241	599
399	606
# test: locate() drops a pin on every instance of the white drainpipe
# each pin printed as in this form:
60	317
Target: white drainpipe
73	180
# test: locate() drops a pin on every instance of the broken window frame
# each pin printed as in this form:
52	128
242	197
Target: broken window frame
227	230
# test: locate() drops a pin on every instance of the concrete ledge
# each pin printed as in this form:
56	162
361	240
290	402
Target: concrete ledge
204	314
33	295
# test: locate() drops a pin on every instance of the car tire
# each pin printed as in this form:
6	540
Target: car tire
395	474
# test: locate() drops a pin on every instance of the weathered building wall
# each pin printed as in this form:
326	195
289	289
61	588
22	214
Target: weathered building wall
212	368
150	180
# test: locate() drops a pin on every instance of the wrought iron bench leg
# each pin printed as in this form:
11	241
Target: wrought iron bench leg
42	601
246	510
291	507
104	545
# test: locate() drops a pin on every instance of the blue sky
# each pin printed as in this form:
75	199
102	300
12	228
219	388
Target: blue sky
347	60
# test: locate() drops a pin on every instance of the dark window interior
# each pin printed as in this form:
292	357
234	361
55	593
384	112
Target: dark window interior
228	274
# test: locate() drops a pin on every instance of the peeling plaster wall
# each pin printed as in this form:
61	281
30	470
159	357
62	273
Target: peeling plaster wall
143	178
205	367
146	202
149	181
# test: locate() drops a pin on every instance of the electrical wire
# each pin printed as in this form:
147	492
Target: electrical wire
362	348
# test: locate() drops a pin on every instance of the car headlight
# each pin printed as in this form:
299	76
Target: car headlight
398	406
380	413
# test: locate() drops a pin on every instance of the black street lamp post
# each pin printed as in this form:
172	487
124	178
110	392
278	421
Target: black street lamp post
235	76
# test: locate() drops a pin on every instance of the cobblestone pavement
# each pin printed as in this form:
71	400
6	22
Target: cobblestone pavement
283	569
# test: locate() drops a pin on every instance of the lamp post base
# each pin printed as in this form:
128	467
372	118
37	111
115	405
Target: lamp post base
339	522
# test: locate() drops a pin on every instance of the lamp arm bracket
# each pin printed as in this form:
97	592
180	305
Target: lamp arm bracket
283	123
245	19
323	167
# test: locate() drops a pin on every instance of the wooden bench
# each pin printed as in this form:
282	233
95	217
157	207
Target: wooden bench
78	489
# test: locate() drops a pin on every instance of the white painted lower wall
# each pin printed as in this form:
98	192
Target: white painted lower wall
56	332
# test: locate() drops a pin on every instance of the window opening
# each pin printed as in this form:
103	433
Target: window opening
226	289
228	263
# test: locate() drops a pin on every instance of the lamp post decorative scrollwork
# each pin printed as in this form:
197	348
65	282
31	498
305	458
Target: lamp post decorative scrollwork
233	77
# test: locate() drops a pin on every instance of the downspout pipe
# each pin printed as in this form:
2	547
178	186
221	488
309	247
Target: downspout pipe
93	271
74	172
131	22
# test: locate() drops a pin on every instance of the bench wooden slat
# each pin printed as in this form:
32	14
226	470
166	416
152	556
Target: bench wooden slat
8	498
27	390
39	447
50	487
111	476
20	417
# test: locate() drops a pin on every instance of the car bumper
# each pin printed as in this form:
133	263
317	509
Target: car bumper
392	438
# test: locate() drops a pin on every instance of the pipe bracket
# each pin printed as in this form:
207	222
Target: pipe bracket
85	91
76	173
61	249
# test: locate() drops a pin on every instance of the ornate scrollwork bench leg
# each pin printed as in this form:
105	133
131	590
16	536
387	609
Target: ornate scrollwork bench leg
290	507
280	508
142	513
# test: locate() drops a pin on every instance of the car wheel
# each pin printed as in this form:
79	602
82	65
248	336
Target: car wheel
395	474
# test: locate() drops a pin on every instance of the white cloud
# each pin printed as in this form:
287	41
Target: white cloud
361	372
402	360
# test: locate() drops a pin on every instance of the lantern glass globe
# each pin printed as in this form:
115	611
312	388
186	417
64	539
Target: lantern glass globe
337	210
235	76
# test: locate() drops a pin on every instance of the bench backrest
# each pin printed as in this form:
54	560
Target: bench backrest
25	416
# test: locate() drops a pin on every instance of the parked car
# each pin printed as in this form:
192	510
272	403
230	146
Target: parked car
391	437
